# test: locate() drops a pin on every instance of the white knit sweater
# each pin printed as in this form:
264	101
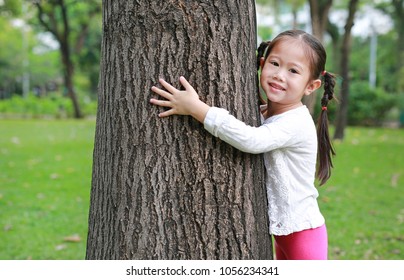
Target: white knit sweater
289	144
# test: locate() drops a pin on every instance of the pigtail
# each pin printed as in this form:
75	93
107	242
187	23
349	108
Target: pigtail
325	148
262	52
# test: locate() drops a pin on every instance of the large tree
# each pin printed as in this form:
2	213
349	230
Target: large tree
165	188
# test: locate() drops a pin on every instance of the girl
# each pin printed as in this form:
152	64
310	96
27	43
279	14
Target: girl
291	67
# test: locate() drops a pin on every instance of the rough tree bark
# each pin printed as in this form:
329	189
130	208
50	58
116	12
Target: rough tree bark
165	188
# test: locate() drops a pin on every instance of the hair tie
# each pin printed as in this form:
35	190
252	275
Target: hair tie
324	108
323	73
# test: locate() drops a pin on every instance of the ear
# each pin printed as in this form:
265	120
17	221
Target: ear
312	86
262	62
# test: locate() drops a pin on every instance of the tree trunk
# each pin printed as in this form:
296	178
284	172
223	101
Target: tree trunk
166	188
61	30
342	113
332	30
319	10
68	79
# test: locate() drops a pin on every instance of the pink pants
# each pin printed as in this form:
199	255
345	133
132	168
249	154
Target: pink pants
310	244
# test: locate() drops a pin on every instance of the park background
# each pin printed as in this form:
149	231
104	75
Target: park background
46	140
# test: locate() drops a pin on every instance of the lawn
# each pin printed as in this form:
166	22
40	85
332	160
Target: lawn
364	200
45	184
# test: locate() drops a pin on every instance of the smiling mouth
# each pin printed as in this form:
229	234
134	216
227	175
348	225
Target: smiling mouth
276	86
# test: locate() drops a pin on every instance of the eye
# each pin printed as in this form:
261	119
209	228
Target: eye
294	71
274	63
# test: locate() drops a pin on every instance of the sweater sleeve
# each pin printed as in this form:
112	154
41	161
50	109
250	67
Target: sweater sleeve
249	139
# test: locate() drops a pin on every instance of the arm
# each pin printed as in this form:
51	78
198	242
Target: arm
248	139
181	102
218	121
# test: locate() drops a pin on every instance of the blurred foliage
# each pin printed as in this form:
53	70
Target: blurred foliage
23	40
369	106
387	76
43	64
10	7
265	33
54	106
46	75
34	107
83	33
10	40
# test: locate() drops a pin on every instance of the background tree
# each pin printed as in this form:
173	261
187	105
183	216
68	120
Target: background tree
342	113
55	17
319	10
165	188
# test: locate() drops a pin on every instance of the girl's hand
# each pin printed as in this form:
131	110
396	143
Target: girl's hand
181	102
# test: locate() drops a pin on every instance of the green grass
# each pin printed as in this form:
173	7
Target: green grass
364	200
45	183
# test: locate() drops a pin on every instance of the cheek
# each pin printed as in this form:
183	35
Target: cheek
266	71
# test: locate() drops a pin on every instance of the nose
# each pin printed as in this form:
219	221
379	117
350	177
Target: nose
279	75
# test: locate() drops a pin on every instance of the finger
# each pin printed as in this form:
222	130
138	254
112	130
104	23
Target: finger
162	103
185	83
168	86
161	92
167	113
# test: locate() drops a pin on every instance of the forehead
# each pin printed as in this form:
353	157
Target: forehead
292	49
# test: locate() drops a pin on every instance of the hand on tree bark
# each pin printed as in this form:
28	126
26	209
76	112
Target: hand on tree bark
180	102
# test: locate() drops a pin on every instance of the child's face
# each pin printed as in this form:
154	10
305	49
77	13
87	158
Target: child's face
285	75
